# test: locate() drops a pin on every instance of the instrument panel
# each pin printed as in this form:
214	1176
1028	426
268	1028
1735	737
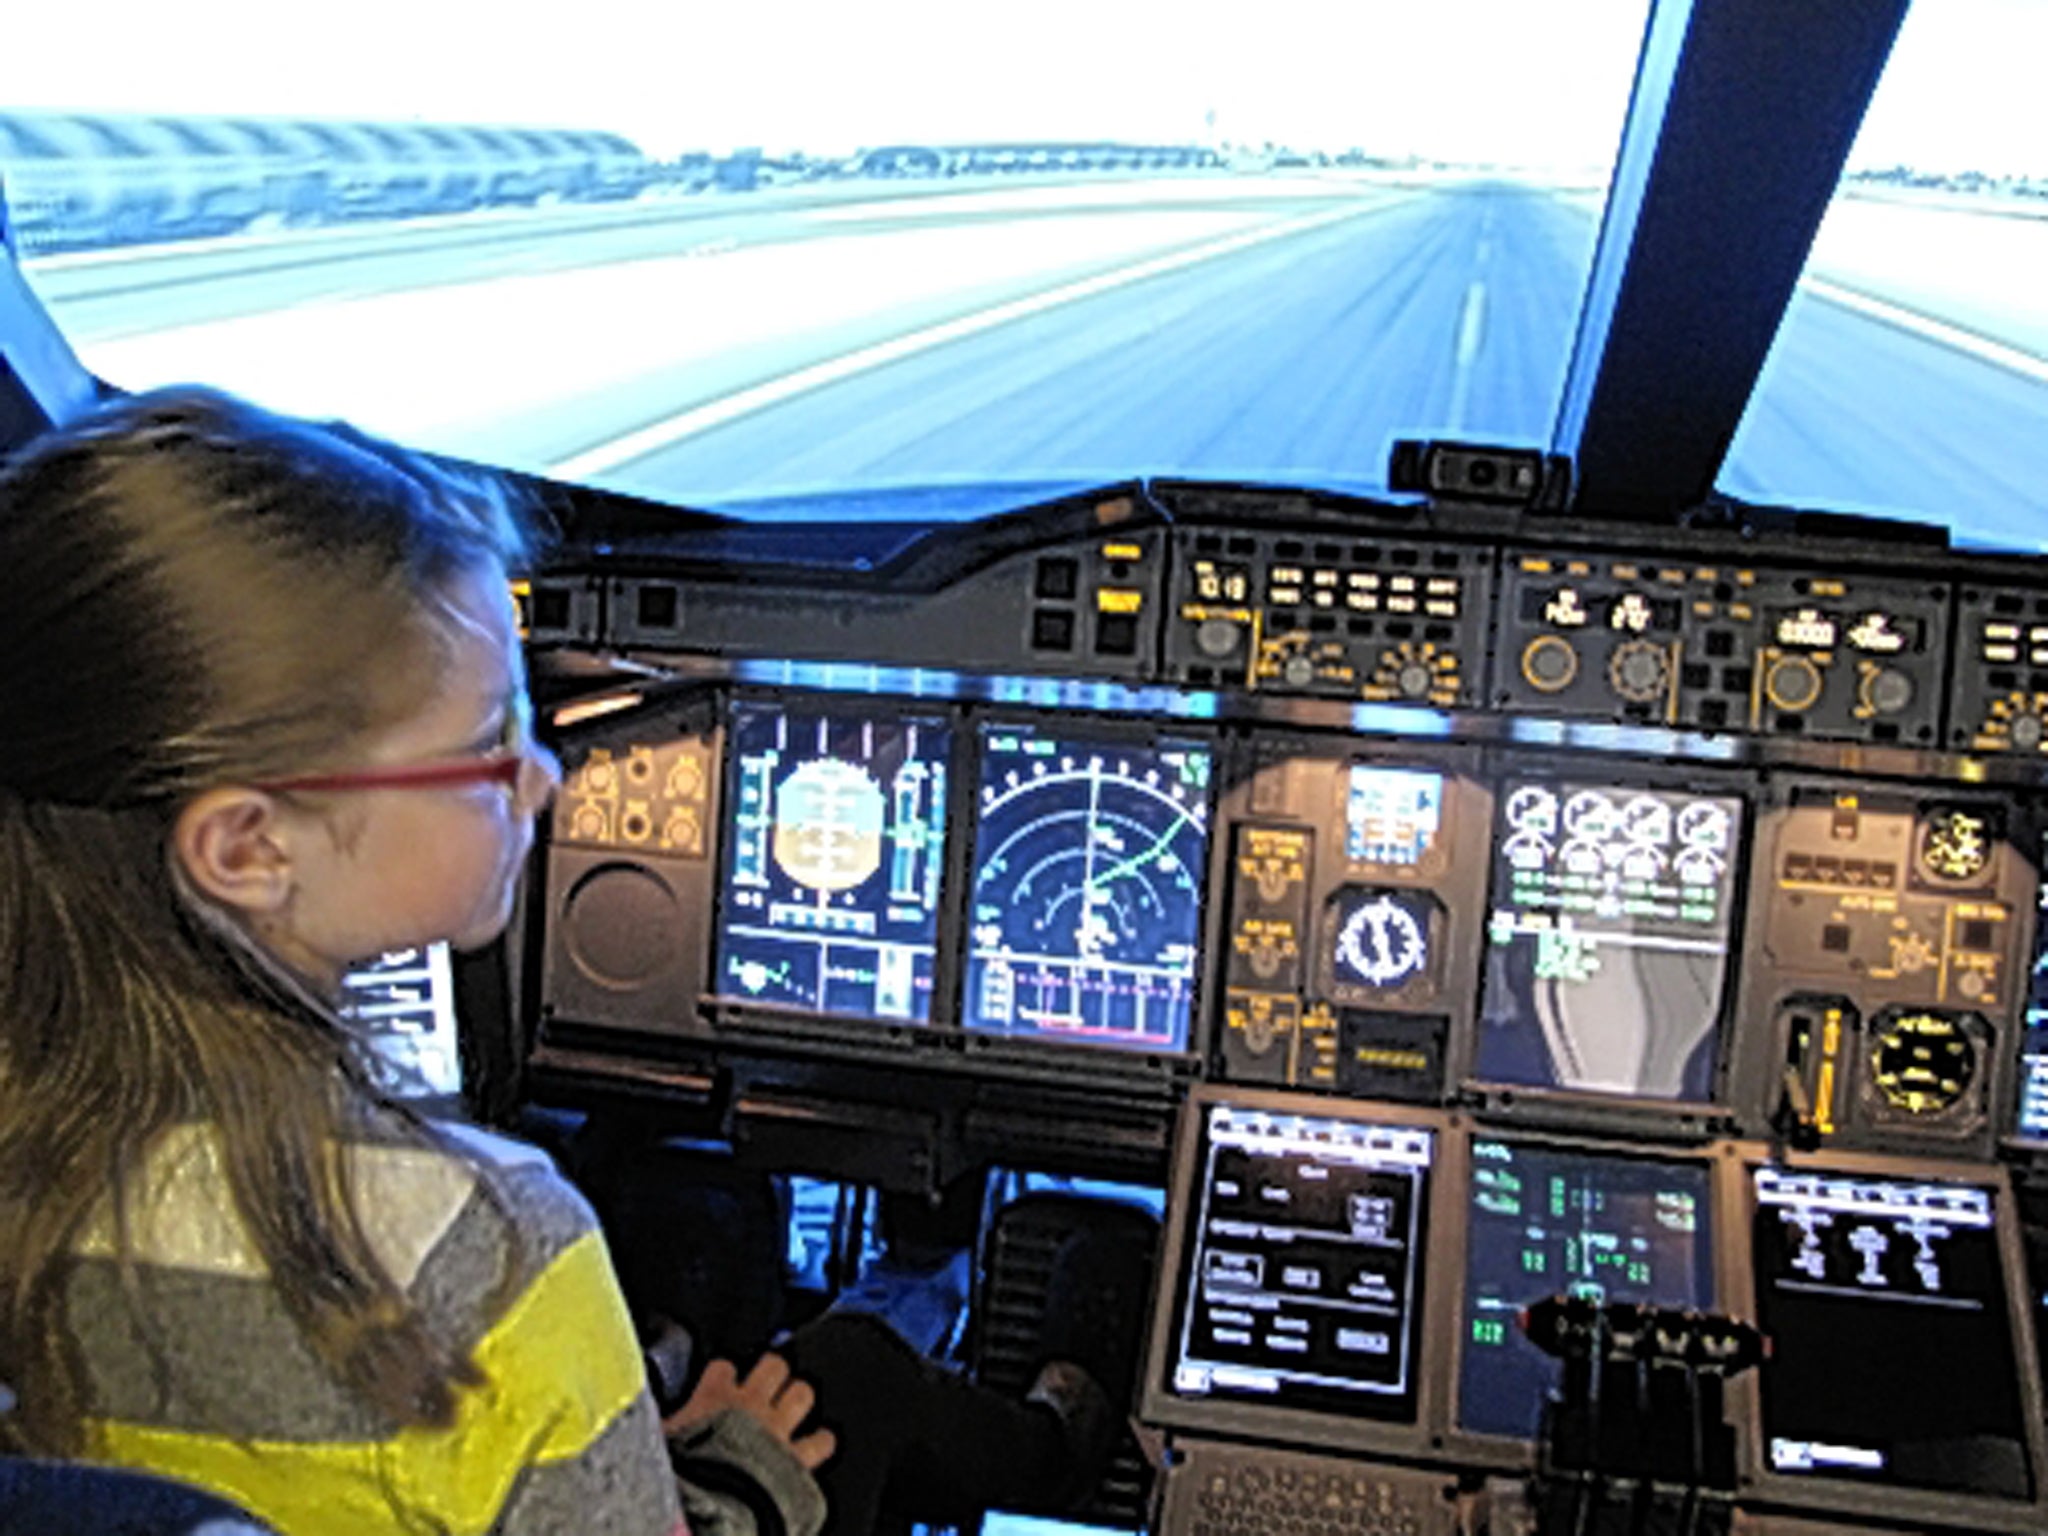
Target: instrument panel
1031	895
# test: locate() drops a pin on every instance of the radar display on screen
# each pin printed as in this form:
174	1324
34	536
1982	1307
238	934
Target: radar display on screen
1891	1340
1548	1221
1391	815
1089	858
1301	1283
1608	938
835	845
2032	1121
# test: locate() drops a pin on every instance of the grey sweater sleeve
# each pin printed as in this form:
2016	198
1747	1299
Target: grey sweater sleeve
739	1480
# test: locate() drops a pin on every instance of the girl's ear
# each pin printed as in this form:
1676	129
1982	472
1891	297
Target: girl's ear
233	847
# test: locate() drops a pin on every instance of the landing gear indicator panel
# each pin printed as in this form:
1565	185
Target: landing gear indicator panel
1608	938
836	846
1089	860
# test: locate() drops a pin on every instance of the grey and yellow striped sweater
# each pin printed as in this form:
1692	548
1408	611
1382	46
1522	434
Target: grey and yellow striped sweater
219	1389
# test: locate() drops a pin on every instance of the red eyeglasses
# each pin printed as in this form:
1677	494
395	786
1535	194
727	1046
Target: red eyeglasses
502	766
499	768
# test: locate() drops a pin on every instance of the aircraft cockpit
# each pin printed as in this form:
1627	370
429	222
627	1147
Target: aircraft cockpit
1538	907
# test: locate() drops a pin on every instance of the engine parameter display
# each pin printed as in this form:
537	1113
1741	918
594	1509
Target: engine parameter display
1089	858
835	847
1608	938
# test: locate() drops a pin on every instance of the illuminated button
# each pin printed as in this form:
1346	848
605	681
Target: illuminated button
1289	574
1438	608
2001	631
1327	578
1443	586
1363	579
1401	605
1326	599
1283	596
1123	551
1402	584
2001	653
1119	600
1549	663
1361	602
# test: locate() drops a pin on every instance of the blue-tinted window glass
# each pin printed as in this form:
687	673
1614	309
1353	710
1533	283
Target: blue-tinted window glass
1910	378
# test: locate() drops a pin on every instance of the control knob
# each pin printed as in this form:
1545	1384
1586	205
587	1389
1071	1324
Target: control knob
1639	670
1793	683
1549	663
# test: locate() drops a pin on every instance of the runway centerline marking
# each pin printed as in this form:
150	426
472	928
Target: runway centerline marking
641	442
1471	336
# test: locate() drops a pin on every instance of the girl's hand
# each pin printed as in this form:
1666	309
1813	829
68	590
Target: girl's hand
770	1395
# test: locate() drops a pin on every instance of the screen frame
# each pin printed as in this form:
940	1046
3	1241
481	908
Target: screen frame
1238	1420
2026	833
1893	1502
1041	1050
726	1006
1544	1103
1711	1158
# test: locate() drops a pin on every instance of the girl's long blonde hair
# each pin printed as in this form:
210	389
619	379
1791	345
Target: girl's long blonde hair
198	593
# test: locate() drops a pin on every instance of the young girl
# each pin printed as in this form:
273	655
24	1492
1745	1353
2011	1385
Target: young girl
262	714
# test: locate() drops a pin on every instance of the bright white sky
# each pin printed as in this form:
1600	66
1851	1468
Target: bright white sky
1528	82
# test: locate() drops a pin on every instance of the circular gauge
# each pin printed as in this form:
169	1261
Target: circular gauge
1582	856
1703	824
1922	1062
1590	814
1699	866
1646	819
1087	889
1638	862
1955	843
1532	809
1526	850
1382	943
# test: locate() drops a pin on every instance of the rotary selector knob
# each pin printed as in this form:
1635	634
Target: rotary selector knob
2027	732
1297	671
1549	663
1886	690
1413	680
1793	683
1217	637
1638	670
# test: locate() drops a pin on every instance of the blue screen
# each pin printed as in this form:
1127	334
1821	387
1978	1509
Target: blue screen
1088	867
835	844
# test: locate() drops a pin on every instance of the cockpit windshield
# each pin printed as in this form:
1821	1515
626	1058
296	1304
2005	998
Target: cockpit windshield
904	259
958	254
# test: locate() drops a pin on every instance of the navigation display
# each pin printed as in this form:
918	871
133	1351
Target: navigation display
1088	867
1547	1221
2032	1120
1891	1343
1608	938
835	844
1301	1285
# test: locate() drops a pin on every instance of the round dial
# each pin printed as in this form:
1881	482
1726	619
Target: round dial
1922	1062
1638	671
1382	943
1956	844
1703	824
1532	809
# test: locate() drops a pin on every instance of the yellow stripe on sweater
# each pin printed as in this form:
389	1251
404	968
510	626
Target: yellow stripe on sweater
562	1366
